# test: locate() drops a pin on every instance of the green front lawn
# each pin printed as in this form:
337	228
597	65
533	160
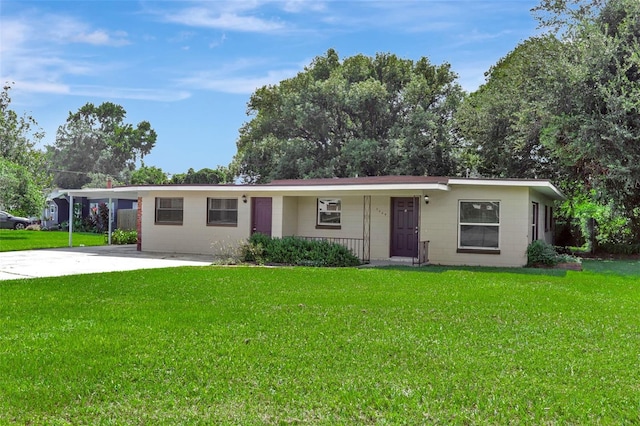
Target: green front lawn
250	345
11	240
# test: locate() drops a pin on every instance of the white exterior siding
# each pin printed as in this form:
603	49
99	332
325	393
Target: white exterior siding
545	224
439	225
380	227
193	236
277	216
350	220
290	216
294	212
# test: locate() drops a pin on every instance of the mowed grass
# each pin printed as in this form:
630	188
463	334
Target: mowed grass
251	345
12	240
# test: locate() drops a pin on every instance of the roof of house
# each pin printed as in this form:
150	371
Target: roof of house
366	180
357	185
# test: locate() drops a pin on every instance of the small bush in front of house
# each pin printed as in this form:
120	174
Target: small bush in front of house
261	248
120	236
227	252
542	253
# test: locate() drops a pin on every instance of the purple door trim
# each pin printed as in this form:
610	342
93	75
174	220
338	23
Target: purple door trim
404	227
261	215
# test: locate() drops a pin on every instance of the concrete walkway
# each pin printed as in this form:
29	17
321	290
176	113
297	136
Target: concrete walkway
87	260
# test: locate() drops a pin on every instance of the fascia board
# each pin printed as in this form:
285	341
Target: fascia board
543	186
293	189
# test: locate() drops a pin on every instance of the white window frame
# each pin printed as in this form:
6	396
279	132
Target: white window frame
331	206
178	207
224	208
461	224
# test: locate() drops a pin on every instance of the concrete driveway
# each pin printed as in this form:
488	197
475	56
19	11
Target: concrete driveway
86	260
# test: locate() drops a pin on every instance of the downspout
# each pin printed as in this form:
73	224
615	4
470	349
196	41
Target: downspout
71	220
110	220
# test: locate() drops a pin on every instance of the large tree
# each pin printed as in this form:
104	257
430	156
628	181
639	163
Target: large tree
97	140
594	128
218	175
148	175
502	121
23	172
359	116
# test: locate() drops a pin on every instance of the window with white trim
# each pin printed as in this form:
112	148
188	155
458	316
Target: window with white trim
479	225
329	212
169	211
222	211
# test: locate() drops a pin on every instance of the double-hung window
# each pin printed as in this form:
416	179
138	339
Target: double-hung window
329	213
479	226
169	211
222	211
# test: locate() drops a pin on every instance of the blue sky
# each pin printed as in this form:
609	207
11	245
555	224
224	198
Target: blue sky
189	67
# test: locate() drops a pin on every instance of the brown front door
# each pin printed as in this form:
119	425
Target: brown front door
261	215
404	227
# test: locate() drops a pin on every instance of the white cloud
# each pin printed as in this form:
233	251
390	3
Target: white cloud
53	88
42	87
228	80
296	6
100	37
224	20
35	52
158	95
219	42
13	34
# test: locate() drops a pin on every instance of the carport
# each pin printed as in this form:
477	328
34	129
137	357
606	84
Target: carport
106	193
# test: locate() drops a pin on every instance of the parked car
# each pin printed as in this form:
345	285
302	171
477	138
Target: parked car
8	221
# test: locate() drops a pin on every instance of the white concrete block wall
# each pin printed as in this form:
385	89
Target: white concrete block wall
289	216
193	236
380	227
293	215
545	232
351	219
439	225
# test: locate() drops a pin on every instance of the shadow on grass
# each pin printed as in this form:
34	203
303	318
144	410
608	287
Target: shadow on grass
623	267
12	236
479	269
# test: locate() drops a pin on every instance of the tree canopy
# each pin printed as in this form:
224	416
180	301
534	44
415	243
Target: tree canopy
566	105
96	140
594	124
502	121
360	116
203	176
148	175
23	174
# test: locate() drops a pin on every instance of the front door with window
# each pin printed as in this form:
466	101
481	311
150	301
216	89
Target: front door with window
404	227
261	215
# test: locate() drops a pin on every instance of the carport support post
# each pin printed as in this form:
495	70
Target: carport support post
70	220
110	219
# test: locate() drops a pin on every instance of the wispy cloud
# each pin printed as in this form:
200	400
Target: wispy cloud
157	95
224	20
297	6
237	77
101	38
40	87
66	29
107	92
35	59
